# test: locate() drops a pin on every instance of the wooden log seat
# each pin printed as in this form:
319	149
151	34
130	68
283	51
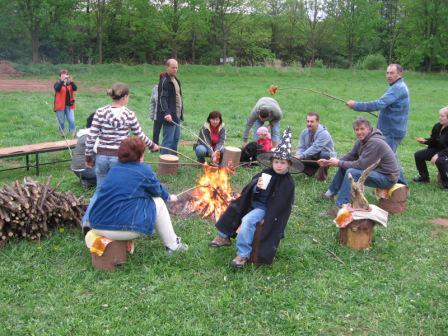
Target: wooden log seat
256	242
357	235
168	164
394	200
231	157
114	255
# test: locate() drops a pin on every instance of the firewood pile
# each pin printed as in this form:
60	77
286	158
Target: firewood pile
30	210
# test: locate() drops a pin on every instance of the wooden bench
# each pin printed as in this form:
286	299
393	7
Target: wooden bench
36	149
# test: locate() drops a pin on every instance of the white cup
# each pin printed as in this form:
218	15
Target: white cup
265	179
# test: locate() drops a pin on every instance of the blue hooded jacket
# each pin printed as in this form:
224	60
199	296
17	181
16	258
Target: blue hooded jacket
125	199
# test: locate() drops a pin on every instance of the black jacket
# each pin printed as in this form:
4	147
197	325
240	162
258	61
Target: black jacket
167	99
279	206
206	138
438	140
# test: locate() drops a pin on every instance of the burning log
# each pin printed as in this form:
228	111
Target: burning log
30	210
209	198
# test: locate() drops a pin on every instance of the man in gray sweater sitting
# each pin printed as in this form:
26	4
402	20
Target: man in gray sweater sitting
368	148
86	175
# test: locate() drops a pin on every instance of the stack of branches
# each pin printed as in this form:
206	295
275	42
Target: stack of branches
30	210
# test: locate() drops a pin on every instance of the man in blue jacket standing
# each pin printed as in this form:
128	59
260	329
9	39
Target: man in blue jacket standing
393	107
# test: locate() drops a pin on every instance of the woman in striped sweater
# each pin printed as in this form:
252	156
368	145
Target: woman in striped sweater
111	125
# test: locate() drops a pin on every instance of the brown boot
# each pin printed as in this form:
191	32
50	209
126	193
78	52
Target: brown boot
220	242
239	262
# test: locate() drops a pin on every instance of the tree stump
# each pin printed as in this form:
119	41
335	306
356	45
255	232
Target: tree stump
114	255
256	242
168	164
396	203
231	156
357	235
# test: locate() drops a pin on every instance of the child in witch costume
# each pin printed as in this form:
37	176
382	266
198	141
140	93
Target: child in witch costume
269	197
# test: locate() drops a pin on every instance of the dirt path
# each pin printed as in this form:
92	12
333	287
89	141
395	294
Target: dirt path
10	81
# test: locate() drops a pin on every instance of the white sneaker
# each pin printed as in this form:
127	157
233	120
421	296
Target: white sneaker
180	247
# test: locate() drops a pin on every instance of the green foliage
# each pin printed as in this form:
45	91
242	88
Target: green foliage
398	287
202	31
422	44
372	62
318	63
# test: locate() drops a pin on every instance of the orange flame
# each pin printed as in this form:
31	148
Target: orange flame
214	193
273	89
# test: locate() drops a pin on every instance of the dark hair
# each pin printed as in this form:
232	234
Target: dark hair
264	114
118	91
131	150
361	121
213	115
89	120
398	67
313	114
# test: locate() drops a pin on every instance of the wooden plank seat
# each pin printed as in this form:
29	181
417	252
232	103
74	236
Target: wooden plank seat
36	149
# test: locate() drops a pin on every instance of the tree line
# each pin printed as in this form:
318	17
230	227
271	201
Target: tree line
334	33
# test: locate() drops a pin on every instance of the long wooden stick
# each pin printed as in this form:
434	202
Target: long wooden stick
334	255
191	132
315	91
178	153
324	94
195	187
177	163
309	161
63	134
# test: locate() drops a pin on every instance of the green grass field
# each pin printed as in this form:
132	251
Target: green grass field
398	287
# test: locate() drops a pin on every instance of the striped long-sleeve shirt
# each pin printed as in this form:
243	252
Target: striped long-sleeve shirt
111	125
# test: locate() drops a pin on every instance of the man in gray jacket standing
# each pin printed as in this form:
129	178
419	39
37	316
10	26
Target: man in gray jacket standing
315	143
265	110
368	148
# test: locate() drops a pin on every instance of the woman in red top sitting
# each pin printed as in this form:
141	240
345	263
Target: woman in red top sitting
211	138
264	139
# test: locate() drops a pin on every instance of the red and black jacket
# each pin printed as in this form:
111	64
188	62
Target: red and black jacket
60	95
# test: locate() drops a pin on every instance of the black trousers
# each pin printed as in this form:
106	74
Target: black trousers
156	131
424	155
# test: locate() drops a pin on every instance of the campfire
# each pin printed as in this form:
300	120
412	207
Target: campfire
209	198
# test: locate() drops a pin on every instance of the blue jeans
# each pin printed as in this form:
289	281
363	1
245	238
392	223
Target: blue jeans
103	163
171	134
70	114
342	187
201	152
275	130
247	231
86	218
393	143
